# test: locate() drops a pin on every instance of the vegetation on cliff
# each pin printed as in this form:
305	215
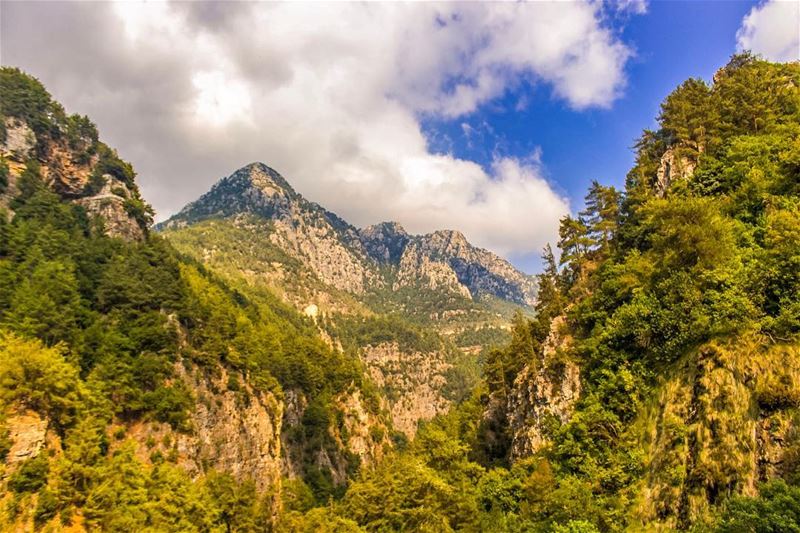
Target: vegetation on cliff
95	333
680	298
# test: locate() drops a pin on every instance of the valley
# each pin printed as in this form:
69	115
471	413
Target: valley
257	363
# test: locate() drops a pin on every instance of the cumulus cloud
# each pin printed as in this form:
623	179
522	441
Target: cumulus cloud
331	95
772	29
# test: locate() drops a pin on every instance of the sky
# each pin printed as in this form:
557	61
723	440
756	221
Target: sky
488	118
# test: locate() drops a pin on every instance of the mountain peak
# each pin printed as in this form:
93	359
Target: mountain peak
385	242
264	178
254	188
448	241
386	228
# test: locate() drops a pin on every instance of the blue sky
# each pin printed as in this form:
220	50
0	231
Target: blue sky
486	117
673	41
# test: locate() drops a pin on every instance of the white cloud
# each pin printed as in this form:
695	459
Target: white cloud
331	95
772	29
638	7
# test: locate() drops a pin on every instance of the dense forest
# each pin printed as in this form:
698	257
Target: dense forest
678	299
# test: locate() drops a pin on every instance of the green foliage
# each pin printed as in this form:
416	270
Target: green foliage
643	280
373	330
39	378
776	509
31	475
96	327
4	172
24	97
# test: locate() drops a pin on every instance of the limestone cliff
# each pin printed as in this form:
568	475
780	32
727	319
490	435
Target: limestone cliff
412	383
359	436
545	390
76	169
233	429
725	420
445	259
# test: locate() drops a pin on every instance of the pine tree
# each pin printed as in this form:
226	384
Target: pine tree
601	215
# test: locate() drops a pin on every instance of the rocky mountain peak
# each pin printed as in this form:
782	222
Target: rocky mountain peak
265	179
255	188
385	242
447	242
346	257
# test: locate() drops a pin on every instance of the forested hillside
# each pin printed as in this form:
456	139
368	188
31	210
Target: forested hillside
657	387
138	389
417	310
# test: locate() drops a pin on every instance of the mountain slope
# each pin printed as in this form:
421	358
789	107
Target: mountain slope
137	389
364	288
657	387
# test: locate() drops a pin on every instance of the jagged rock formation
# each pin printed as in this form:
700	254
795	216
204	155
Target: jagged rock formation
27	432
360	433
385	242
72	172
412	383
674	165
233	430
547	388
446	259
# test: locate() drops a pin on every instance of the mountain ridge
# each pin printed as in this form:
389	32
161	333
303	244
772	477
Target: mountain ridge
258	189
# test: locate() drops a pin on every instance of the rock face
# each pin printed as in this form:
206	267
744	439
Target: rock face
234	429
109	205
359	433
412	383
546	389
446	259
724	422
673	166
385	242
417	268
354	260
27	432
70	171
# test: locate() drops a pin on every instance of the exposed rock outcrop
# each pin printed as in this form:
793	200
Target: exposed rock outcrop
69	170
723	422
547	388
385	242
360	433
27	432
673	166
109	205
412	383
416	268
234	429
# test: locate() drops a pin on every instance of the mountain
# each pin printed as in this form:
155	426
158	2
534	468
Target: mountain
657	388
411	307
350	259
222	376
139	390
